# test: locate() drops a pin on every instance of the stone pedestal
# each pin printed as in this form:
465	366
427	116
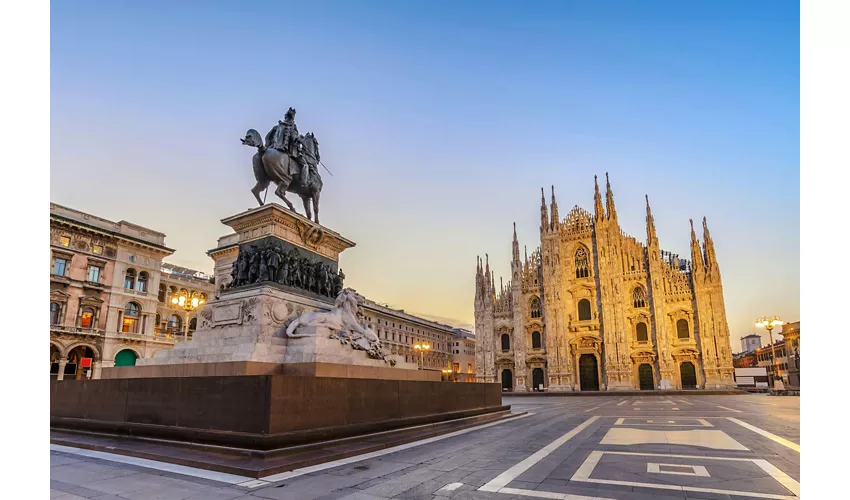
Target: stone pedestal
247	323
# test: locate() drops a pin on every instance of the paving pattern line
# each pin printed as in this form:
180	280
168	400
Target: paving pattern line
152	464
686	402
586	469
359	458
773	437
548	494
509	475
730	409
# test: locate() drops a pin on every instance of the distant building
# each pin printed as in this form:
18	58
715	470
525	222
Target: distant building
401	331
777	368
745	360
463	356
750	343
791	334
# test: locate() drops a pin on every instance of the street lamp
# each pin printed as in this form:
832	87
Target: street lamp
769	324
421	348
188	304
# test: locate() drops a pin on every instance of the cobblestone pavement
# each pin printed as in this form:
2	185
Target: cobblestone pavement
611	447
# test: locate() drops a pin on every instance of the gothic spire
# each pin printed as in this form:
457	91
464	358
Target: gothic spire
544	214
710	257
696	253
598	210
651	238
515	247
555	218
609	199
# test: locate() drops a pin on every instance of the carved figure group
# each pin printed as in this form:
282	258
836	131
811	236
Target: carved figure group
289	160
345	320
270	262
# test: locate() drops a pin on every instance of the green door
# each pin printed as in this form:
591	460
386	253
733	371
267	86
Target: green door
645	375
588	372
689	375
125	358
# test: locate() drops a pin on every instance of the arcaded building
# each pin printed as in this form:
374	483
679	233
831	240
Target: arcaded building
593	308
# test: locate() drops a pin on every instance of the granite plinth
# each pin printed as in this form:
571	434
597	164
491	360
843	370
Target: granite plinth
241	368
261	412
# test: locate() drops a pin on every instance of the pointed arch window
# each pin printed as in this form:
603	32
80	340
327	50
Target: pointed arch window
582	263
506	342
536	342
639	297
584	310
535	308
682	330
641	332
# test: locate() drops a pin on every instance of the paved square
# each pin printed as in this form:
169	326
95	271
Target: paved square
567	448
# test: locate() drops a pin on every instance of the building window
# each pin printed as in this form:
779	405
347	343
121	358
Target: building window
639	297
96	249
174	323
682	330
641	332
506	342
94	274
60	266
583	310
162	292
55	309
535	308
87	318
64	241
130	279
142	282
131	318
469	368
456	367
535	340
582	263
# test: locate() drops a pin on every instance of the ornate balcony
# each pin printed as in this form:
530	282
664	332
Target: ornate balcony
76	330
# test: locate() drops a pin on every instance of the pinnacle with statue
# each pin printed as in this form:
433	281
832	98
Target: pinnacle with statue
290	161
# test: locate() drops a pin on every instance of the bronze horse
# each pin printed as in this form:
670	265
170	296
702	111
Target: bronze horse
271	165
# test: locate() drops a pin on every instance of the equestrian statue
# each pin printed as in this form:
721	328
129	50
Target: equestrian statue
289	160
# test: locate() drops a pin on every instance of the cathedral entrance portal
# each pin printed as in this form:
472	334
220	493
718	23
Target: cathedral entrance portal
537	379
647	383
689	375
507	380
588	372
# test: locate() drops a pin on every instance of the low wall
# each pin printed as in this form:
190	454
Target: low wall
261	411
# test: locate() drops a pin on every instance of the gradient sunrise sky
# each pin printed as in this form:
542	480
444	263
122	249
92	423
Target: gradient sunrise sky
441	121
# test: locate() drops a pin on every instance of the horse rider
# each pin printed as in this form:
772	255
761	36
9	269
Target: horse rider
285	138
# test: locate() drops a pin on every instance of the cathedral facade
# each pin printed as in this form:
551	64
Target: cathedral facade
593	308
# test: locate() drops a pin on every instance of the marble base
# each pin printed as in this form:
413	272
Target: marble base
249	325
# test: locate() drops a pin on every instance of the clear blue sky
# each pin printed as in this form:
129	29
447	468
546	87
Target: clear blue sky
440	122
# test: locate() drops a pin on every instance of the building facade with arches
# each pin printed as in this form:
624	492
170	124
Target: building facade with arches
593	308
104	305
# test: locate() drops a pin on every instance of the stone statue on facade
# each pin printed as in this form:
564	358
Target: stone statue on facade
289	160
342	320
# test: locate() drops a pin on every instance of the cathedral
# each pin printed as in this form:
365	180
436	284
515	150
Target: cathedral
593	308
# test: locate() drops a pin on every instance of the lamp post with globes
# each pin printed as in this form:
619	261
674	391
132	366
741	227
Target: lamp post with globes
188	304
769	323
421	347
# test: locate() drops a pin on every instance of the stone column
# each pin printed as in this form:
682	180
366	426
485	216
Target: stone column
61	374
95	369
